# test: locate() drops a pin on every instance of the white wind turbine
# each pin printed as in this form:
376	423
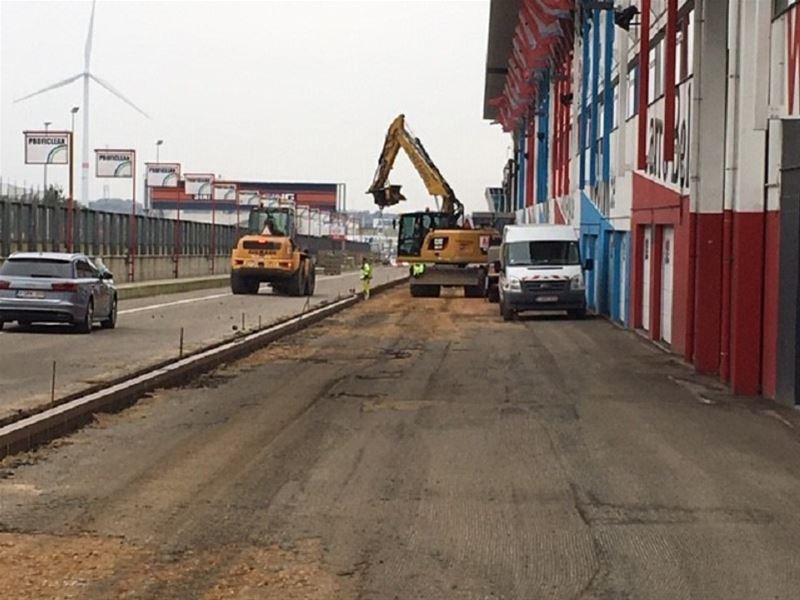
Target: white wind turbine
86	75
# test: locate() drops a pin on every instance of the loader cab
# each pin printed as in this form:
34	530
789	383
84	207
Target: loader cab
415	226
275	221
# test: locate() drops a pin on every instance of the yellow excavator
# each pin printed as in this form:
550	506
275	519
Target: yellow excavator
442	251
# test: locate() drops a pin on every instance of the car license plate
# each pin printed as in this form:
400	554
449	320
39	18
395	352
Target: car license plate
29	294
547	299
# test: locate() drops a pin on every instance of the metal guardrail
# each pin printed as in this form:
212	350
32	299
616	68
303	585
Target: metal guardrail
37	227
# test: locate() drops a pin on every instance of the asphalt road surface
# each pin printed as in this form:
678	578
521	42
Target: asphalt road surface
148	331
418	449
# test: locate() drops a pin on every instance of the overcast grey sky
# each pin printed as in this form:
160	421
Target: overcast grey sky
280	91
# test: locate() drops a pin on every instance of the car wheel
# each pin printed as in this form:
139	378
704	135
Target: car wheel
85	326
111	321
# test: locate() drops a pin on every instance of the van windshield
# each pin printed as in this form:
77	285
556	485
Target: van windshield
542	253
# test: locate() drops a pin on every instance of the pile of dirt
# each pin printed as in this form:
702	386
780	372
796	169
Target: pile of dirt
48	566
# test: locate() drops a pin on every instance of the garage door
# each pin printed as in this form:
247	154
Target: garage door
667	260
648	242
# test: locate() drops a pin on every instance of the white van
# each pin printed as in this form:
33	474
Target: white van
540	269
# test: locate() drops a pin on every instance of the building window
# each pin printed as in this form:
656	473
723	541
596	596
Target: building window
616	104
656	67
688	21
632	101
779	6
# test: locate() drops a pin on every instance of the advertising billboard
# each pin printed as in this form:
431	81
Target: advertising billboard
198	184
163	174
47	147
114	163
224	192
249	197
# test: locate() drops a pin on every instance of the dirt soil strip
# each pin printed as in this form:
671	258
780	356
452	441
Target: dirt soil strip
63	416
417	449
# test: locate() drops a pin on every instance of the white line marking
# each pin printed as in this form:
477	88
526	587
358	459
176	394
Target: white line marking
174	303
129	311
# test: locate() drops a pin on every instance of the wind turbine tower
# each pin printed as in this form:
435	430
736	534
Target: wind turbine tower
86	75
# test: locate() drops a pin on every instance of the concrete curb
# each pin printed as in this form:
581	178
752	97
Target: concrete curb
74	412
145	289
128	291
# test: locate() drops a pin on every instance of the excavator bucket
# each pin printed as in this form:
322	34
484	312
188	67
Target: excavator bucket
388	196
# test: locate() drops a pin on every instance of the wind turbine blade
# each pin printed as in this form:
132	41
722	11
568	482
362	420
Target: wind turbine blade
51	87
118	94
87	53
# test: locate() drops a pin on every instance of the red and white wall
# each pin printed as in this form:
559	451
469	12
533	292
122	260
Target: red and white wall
707	104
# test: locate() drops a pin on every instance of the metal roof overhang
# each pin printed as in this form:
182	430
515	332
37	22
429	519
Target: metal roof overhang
502	21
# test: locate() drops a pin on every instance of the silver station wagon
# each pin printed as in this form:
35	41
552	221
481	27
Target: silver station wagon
55	287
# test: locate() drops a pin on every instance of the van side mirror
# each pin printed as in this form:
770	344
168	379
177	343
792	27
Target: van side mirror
589	264
106	275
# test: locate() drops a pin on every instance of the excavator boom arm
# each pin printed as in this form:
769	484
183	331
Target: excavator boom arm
398	137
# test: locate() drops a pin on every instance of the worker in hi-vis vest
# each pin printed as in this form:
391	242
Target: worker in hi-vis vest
366	276
417	269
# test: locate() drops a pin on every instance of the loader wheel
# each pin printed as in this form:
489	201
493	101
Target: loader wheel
311	279
253	285
238	283
296	285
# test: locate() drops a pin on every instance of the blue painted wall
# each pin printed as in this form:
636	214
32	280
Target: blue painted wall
595	241
543	148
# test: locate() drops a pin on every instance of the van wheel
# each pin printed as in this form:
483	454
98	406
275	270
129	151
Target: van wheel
577	313
507	312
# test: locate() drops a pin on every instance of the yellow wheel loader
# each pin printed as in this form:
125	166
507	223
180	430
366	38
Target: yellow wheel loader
270	253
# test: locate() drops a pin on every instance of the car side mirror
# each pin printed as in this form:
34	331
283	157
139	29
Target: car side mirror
106	275
589	264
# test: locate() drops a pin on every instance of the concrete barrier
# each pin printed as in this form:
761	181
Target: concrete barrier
156	268
128	291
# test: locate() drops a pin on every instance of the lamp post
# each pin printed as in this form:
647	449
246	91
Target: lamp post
46	128
148	200
70	204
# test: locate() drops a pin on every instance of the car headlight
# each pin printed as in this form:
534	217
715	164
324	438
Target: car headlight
514	285
576	282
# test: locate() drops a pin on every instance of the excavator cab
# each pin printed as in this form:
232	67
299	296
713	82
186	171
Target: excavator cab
414	227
